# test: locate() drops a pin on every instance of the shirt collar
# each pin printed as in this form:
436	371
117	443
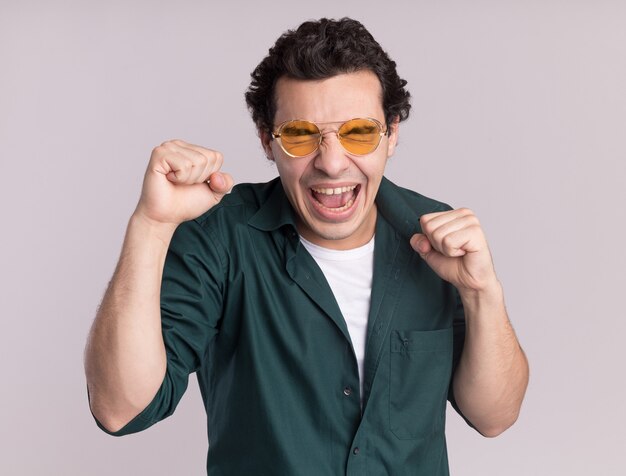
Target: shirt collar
397	210
274	212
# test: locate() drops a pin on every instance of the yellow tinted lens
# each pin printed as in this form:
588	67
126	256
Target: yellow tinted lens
360	136
299	138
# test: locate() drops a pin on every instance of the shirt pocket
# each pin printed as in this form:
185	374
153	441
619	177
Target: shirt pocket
421	367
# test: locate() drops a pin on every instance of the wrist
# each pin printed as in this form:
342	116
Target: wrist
151	228
490	295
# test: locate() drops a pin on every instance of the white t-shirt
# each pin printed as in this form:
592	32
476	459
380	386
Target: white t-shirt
349	274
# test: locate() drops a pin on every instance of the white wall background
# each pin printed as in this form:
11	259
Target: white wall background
519	113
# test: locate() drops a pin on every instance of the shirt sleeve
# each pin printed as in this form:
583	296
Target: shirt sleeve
191	302
459	342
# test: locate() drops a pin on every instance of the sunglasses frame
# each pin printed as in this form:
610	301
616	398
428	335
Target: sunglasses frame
277	134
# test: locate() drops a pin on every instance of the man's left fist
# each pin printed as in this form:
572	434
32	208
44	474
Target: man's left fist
454	246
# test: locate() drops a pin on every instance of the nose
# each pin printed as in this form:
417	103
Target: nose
331	158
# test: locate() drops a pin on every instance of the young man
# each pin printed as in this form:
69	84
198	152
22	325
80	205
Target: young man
329	314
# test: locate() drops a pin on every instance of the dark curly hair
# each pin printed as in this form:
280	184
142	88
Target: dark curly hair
319	50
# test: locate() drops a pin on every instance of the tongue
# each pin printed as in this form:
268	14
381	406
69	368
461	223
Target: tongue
334	201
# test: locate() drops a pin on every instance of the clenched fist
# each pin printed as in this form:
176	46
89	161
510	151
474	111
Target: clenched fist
454	246
181	183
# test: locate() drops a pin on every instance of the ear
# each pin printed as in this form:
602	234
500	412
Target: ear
266	143
394	130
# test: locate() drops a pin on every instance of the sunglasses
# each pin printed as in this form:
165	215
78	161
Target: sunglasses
359	136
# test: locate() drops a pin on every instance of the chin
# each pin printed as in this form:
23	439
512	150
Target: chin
333	233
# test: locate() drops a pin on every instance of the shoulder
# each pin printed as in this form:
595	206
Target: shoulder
230	217
243	201
403	207
236	209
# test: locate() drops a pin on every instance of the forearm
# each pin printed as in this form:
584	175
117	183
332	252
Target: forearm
492	376
125	356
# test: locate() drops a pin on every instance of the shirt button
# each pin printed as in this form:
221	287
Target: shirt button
356	450
347	391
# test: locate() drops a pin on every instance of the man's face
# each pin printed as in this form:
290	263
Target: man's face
345	219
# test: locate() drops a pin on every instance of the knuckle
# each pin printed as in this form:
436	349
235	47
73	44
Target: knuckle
447	241
167	143
202	163
219	158
437	234
448	244
427	227
164	148
159	152
477	229
203	159
159	148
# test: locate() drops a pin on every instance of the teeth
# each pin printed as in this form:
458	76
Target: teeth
334	191
340	209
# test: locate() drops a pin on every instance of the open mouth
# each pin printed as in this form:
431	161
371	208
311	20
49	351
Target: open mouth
336	199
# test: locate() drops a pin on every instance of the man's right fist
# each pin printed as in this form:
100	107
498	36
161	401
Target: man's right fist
175	187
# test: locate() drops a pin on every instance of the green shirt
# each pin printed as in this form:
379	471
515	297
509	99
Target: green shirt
245	306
